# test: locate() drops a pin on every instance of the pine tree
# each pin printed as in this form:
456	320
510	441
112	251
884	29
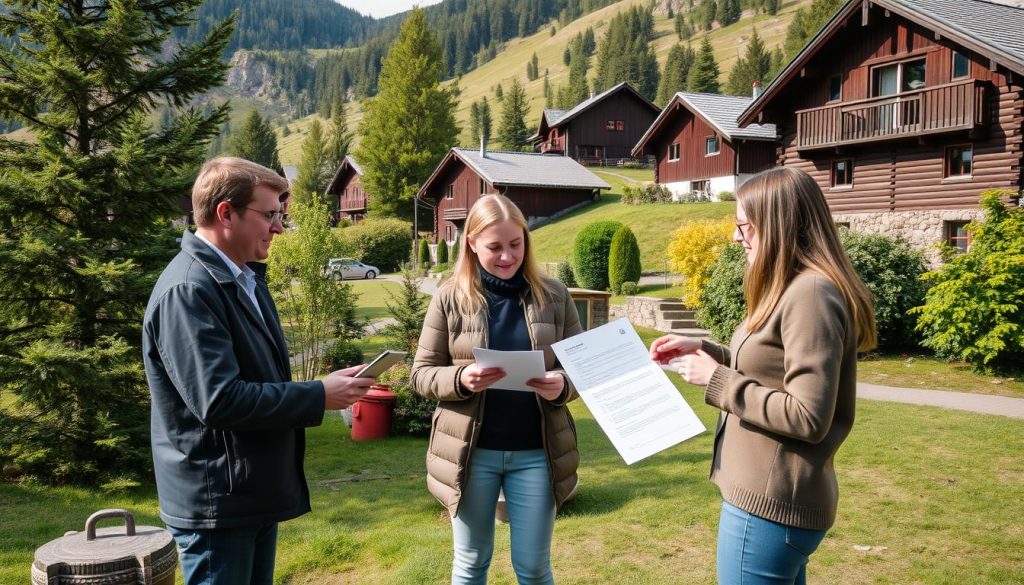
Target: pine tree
314	167
410	125
499	92
485	120
710	8
728	12
755	65
671	13
625	53
340	140
703	76
85	210
578	89
512	132
424	254
474	123
256	141
771	7
567	55
677	69
547	87
442	251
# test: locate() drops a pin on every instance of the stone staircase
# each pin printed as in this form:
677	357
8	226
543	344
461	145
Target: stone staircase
674	317
666	315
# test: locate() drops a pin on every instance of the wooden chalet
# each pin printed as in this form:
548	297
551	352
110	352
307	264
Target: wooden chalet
542	185
600	129
346	191
698	147
904	111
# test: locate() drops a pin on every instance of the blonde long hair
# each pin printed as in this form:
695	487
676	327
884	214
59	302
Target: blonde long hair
487	211
795	233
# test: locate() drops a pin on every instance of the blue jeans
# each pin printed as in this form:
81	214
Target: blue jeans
227	556
755	551
523	475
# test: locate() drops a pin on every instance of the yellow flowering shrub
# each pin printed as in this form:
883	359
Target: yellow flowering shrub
694	249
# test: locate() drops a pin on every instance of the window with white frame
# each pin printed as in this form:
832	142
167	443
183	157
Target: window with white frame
711	146
673	151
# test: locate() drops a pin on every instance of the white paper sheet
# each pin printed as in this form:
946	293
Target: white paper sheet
519	366
630	396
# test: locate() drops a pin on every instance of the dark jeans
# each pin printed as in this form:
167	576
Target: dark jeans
227	556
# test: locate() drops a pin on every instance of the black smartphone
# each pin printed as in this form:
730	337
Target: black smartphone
381	363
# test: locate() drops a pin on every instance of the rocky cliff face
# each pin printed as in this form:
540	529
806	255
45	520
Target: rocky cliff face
249	77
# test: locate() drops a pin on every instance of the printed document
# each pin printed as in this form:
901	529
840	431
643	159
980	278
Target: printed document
519	366
629	395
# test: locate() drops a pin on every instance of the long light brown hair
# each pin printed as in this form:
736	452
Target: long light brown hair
796	233
487	211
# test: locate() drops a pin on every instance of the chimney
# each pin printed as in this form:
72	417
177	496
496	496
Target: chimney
757	89
483	146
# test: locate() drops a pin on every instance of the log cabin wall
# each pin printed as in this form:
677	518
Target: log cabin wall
901	185
905	174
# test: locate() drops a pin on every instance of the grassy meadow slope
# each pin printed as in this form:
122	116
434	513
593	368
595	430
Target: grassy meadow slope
729	43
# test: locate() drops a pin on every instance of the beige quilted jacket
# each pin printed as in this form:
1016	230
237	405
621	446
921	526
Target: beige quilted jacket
445	348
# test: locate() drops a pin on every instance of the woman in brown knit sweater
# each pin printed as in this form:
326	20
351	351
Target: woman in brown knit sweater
786	385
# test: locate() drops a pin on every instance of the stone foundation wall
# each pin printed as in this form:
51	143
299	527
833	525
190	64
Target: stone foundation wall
921	229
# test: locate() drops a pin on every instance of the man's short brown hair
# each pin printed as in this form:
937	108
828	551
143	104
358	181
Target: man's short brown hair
229	178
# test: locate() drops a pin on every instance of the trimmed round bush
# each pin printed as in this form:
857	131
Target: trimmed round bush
623	259
565	274
342	354
722	306
424	254
454	253
384	243
892	271
590	254
442	251
630	288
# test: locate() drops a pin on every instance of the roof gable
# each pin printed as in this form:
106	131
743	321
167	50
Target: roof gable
520	169
992	30
585	105
347	163
718	111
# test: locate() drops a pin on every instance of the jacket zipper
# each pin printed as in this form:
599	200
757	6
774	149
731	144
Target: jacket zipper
230	461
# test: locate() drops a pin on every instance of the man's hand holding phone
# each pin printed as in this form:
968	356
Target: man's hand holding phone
342	388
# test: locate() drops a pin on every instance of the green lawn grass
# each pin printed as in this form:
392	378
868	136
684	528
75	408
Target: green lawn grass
652	224
373	298
928	489
922	371
672	291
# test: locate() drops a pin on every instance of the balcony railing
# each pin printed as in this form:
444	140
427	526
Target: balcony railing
352	203
945	108
553	145
455	213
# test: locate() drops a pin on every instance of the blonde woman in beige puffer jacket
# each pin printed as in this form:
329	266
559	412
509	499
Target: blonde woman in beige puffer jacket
485	438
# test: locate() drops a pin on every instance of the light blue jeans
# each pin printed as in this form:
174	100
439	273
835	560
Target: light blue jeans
523	475
227	556
755	551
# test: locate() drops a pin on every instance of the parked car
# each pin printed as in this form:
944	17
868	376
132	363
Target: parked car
349	269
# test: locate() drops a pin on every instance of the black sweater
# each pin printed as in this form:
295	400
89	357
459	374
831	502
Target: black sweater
511	418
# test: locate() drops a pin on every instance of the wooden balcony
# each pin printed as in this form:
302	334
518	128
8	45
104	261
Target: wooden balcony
946	108
554	145
454	213
352	203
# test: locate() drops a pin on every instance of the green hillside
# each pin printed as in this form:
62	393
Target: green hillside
653	225
729	43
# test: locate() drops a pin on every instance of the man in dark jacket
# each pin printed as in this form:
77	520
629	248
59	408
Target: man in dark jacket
227	421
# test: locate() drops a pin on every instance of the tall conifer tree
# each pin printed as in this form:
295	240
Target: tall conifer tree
339	141
677	70
512	132
256	141
410	125
314	167
754	65
85	212
704	73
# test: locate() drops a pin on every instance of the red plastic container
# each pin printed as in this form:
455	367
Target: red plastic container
371	415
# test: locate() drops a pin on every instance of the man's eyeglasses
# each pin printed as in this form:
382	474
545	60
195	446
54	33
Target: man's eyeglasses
272	216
